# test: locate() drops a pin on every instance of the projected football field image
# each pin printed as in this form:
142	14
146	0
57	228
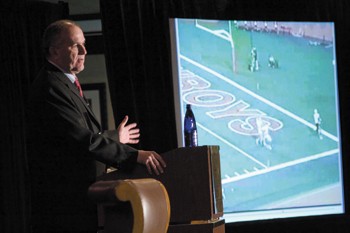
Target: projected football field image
266	93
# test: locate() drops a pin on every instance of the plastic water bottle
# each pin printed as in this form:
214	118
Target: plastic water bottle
190	128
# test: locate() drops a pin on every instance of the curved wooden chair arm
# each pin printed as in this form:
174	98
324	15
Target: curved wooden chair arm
148	197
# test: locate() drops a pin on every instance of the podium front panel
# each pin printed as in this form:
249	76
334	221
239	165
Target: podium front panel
192	179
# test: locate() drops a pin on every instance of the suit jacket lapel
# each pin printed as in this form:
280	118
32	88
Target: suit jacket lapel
63	78
88	107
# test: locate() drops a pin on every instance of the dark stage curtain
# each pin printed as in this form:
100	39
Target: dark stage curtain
137	43
13	168
138	69
21	27
138	51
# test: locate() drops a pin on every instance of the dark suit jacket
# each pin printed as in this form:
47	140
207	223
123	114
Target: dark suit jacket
64	141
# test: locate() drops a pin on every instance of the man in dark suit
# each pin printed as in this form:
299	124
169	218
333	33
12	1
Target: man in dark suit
65	138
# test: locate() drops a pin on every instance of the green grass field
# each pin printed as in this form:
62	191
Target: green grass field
227	98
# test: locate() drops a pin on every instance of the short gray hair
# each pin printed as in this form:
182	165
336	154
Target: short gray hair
53	31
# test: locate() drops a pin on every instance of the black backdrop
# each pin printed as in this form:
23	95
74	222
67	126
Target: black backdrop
21	26
138	59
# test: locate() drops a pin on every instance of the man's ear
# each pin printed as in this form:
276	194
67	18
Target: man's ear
53	51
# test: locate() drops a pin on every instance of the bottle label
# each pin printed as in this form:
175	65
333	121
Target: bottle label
194	138
191	139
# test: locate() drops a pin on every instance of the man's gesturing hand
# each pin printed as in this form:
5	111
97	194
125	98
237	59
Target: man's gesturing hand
128	133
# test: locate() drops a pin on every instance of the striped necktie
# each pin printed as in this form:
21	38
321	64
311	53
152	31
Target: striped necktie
77	84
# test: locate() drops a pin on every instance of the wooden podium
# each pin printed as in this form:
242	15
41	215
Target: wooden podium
193	182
